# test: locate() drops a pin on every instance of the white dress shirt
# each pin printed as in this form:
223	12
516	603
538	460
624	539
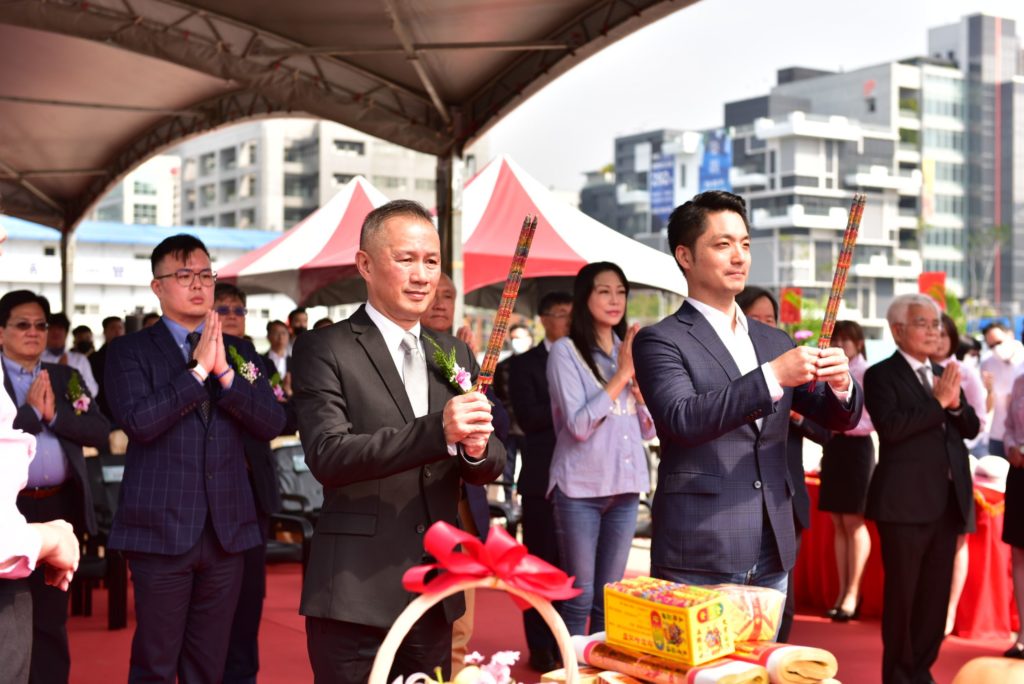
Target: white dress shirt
280	362
737	342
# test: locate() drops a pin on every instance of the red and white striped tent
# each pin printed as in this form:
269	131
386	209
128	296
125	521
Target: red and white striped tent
493	206
314	262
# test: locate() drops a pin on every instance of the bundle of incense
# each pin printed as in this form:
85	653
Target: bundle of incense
594	651
752	613
788	664
835	296
662	591
508	303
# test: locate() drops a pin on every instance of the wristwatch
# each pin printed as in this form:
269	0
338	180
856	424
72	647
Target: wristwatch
198	369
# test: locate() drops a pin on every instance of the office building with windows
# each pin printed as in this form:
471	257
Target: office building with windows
149	195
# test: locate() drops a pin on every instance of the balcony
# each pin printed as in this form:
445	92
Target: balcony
880	177
799	216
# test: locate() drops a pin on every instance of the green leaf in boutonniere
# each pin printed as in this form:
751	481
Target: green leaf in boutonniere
247	369
457	376
77	396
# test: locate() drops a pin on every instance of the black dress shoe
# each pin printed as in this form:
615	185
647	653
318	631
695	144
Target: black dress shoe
845	616
542	661
832	612
1015	651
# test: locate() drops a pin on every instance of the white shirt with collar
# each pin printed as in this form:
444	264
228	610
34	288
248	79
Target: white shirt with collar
280	362
737	343
915	364
393	335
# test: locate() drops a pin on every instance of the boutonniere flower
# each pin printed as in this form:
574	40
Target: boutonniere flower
498	671
275	384
76	395
458	376
247	369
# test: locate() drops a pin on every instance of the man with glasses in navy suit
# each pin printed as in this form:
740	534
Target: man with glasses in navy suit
186	395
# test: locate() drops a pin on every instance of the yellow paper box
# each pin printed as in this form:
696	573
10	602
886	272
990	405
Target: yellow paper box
692	633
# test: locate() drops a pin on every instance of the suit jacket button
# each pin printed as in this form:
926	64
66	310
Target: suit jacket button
757	484
420	529
209	476
426	471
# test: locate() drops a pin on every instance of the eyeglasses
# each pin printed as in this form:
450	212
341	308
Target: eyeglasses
923	323
25	326
237	310
185	277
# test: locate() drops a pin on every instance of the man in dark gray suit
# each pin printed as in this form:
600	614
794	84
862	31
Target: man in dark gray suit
389	436
720	388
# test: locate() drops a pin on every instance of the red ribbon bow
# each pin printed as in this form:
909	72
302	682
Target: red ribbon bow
501	556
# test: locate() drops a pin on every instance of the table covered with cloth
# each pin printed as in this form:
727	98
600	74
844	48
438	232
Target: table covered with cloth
986	609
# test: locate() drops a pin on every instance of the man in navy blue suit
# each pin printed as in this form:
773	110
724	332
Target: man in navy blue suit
720	388
186	395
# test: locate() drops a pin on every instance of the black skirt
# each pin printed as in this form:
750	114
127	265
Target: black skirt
846	466
1013	518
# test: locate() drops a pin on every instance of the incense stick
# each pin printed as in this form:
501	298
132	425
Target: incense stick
508	303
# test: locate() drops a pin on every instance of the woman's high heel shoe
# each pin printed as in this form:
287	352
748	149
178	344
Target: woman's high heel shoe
844	616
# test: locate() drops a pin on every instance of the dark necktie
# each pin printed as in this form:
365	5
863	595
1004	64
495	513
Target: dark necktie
205	407
922	373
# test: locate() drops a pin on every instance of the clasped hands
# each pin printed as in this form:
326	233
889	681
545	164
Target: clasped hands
801	365
209	351
467	420
40	397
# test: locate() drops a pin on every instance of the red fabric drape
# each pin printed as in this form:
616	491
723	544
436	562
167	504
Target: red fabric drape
986	608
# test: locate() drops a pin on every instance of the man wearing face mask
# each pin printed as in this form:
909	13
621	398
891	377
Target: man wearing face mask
521	340
56	340
82	340
1004	364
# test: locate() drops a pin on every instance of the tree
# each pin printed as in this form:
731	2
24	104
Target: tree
983	244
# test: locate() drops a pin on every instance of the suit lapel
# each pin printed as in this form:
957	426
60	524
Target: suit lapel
702	331
10	388
439	391
910	377
164	341
376	349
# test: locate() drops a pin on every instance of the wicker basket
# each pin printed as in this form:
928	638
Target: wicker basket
415	610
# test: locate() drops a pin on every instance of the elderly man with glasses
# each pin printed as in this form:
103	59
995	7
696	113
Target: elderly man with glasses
920	492
56	406
187	394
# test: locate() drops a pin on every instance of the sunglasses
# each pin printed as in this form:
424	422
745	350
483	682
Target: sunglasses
25	326
225	310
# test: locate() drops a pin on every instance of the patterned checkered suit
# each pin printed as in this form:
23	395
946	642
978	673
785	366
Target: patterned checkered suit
178	469
718	470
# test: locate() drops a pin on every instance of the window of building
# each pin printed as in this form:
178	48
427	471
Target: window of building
144	188
188	173
207	195
247	218
190	199
250	153
207	220
227	219
228	158
207	163
293	215
304	151
144	214
342	178
391	182
111	212
247	185
350	147
301	185
425	184
228	190
49	251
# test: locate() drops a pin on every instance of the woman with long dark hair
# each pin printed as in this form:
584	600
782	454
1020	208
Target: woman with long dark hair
847	461
598	468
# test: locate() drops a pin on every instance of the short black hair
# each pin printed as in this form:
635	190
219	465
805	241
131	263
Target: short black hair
951	332
517	326
81	329
322	323
689	220
111	320
750	294
376	219
967	344
271	324
16	298
59	320
291	314
152	315
179	246
995	325
228	290
553	299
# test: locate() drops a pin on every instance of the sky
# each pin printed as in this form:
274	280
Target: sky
681	70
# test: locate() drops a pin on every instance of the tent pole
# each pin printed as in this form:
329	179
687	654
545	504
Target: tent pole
449	224
67	272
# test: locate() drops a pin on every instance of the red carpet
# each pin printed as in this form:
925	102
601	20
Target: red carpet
99	656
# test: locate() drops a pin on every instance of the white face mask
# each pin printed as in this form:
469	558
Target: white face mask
521	344
1004	351
971	361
